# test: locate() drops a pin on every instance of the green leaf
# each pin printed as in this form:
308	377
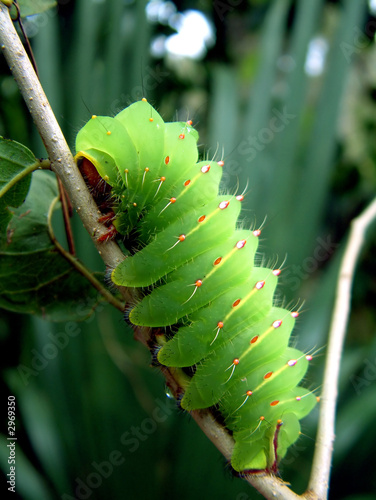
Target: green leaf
15	161
32	7
34	277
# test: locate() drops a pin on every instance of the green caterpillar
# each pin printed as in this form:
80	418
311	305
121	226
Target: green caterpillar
198	274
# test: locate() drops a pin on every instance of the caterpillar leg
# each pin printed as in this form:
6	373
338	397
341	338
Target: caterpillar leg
108	235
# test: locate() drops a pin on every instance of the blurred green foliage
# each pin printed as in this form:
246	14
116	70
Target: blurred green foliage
90	412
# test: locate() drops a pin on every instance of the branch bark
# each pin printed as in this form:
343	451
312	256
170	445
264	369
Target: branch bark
319	481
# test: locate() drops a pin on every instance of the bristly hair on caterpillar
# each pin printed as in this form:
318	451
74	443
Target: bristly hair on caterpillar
202	282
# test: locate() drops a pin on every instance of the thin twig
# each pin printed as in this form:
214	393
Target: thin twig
319	480
77	264
17	178
66	209
27	41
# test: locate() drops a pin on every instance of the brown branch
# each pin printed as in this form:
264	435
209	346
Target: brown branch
66	209
319	481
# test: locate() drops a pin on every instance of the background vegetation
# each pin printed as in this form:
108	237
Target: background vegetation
307	65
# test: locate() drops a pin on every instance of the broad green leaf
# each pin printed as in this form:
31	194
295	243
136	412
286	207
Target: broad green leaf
32	7
34	277
15	160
